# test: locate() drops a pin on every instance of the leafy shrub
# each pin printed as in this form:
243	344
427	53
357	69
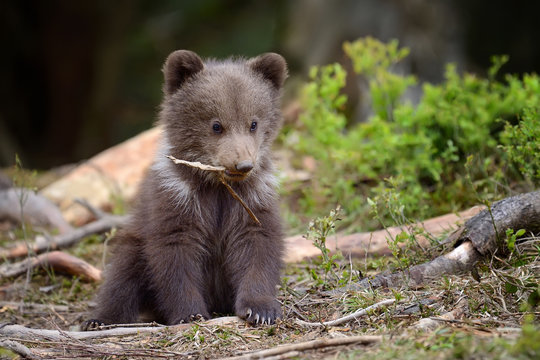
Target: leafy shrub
417	151
522	144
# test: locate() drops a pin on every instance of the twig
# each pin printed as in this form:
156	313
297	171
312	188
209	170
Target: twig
98	213
18	348
235	195
115	326
349	317
309	345
220	170
196	164
34	306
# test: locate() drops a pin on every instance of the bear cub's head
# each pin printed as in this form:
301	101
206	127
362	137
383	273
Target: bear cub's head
223	113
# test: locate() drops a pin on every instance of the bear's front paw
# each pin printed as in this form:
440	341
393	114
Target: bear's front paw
92	324
259	310
182	319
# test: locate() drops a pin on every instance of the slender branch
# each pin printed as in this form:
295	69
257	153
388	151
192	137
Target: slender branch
220	170
309	345
196	164
349	317
33	306
235	195
98	213
460	260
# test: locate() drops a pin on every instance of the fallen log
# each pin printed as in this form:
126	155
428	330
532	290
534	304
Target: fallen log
486	231
506	214
481	236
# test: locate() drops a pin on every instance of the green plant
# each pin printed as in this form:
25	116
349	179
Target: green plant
521	142
421	149
318	232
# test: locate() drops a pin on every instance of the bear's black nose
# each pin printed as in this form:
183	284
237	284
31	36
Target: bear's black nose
244	166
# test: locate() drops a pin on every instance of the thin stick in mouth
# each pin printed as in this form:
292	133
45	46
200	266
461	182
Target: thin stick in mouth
221	171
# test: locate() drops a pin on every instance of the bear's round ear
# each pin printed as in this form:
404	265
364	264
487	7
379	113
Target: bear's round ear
271	66
180	66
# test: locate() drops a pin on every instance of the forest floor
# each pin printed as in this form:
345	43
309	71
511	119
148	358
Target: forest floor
454	317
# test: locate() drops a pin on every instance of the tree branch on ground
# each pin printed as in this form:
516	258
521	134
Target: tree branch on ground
70	238
309	345
58	261
481	235
349	317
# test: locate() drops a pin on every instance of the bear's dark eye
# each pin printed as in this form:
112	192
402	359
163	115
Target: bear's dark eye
217	128
253	126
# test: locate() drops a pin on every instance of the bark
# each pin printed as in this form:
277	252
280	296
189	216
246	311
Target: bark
481	235
486	231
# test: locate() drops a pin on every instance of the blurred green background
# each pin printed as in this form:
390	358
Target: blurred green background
80	76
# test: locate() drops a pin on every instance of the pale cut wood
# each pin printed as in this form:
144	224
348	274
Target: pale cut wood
115	172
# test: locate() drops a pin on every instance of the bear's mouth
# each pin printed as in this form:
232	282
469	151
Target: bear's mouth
235	175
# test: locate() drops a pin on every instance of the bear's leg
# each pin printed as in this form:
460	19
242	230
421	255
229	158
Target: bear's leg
119	297
177	280
254	264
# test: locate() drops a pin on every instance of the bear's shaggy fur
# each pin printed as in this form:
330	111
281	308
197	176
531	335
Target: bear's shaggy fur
190	248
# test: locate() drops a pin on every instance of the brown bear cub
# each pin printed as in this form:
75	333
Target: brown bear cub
191	249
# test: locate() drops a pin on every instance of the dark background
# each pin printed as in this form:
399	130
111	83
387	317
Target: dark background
80	76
